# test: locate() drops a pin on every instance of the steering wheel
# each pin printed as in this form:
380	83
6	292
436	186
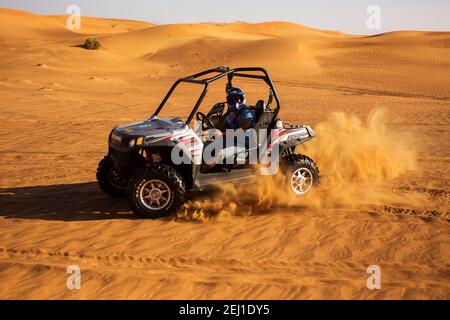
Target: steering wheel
217	109
206	122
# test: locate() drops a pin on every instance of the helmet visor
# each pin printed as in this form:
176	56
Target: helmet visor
233	99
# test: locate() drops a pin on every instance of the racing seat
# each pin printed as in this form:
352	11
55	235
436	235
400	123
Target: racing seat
264	116
259	108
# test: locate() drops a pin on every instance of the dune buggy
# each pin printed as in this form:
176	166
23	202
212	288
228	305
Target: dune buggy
139	160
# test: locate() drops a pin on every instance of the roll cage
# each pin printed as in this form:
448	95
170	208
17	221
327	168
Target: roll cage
218	73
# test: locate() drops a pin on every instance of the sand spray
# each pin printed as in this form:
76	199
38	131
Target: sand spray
357	160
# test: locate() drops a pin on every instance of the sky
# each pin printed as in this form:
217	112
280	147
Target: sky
348	16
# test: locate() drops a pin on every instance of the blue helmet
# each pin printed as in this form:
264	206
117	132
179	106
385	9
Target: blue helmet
235	95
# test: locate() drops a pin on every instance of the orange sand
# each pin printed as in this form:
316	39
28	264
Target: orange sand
380	106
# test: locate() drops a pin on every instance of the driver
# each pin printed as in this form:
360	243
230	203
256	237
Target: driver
239	115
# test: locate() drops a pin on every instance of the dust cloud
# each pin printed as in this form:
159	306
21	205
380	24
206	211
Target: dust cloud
358	161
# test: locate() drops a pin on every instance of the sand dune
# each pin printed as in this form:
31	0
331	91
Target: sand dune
379	104
213	44
90	25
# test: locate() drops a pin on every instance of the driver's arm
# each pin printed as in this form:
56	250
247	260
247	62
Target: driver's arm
221	125
227	121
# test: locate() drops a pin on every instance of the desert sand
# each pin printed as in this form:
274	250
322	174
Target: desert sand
381	109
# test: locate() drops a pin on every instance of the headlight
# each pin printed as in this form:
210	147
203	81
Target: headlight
116	138
131	143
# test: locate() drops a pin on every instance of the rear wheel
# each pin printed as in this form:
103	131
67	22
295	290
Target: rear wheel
109	180
302	174
156	191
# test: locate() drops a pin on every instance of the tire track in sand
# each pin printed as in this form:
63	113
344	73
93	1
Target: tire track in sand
207	270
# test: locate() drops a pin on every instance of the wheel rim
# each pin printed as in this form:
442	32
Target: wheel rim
302	180
155	194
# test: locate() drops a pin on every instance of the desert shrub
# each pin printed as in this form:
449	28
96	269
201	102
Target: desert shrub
91	44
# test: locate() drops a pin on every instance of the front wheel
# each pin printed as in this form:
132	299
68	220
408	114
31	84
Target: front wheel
302	174
156	191
109	180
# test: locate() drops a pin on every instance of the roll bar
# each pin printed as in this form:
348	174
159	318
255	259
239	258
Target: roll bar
220	72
